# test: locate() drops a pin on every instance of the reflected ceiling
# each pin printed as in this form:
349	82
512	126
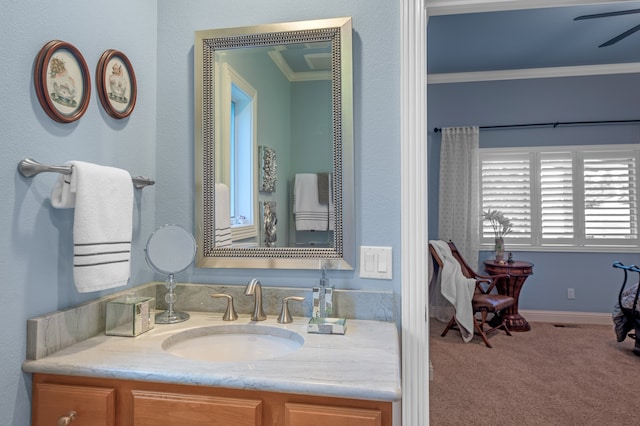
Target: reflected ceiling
303	61
533	38
308	56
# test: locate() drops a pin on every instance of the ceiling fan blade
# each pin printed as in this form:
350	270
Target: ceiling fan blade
607	14
621	36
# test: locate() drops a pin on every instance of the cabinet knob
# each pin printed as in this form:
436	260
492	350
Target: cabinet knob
66	420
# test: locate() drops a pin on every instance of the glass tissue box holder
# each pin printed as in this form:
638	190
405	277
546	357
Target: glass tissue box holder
319	325
130	316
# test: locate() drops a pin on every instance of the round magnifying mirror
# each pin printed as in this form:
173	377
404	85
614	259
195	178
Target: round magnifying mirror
170	250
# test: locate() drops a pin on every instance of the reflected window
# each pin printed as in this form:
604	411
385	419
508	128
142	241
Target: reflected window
241	155
240	158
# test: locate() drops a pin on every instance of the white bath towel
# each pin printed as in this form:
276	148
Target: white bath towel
102	225
456	288
223	216
310	214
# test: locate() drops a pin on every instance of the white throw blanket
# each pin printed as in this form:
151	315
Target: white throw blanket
102	226
456	288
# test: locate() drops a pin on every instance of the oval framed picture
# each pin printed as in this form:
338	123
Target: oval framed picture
116	84
62	81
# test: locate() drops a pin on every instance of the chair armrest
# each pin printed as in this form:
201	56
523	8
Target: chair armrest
490	280
491	277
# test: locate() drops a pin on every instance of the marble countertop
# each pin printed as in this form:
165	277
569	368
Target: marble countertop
364	363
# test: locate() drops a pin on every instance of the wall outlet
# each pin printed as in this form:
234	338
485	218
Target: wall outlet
571	293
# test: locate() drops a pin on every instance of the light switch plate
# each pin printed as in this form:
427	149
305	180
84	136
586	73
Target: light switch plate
376	262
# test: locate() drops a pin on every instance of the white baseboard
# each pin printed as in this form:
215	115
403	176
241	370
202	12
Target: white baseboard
568	317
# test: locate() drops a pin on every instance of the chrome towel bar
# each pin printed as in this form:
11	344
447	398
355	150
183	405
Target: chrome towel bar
30	167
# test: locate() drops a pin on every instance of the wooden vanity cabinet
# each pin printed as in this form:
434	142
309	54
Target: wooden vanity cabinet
130	402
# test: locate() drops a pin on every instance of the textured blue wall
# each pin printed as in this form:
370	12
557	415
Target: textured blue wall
36	243
613	97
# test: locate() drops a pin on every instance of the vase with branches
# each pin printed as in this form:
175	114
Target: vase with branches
501	226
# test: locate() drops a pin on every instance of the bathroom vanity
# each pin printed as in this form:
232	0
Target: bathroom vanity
350	379
100	402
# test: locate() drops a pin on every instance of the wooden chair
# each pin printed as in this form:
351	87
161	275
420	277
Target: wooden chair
484	301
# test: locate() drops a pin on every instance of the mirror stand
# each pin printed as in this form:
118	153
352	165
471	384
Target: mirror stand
171	316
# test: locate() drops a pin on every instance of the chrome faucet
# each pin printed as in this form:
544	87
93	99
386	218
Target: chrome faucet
255	289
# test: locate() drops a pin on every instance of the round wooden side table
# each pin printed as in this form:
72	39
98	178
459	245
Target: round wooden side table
518	272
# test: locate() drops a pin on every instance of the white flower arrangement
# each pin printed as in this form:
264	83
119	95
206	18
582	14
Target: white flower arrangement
501	225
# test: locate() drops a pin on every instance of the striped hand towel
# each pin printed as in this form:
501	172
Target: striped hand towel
103	222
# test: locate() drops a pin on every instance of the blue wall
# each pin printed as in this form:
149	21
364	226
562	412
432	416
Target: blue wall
36	243
613	97
157	141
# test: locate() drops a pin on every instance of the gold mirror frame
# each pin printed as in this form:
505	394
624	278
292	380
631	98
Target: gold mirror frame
342	254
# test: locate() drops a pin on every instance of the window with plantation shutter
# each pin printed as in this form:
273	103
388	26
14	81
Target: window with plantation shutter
506	186
610	196
571	197
556	196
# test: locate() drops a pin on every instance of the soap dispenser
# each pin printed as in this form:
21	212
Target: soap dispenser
323	297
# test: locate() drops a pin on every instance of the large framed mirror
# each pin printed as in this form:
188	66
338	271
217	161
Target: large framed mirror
274	146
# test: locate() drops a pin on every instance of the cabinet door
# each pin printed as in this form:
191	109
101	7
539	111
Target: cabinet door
321	415
88	406
160	408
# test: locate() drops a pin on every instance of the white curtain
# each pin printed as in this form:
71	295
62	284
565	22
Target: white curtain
458	194
459	209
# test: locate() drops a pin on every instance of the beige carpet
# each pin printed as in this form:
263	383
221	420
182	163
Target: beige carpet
572	375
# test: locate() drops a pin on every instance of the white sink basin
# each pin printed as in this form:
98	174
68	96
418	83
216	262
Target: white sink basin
230	343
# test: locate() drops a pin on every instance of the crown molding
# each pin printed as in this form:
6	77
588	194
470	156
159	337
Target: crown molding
531	73
452	7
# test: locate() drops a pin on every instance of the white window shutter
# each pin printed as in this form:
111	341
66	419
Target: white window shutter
610	201
571	196
556	196
506	186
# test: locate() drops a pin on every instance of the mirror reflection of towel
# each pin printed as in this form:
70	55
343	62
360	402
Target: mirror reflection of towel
222	216
324	180
309	214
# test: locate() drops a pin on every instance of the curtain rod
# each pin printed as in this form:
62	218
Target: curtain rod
556	124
